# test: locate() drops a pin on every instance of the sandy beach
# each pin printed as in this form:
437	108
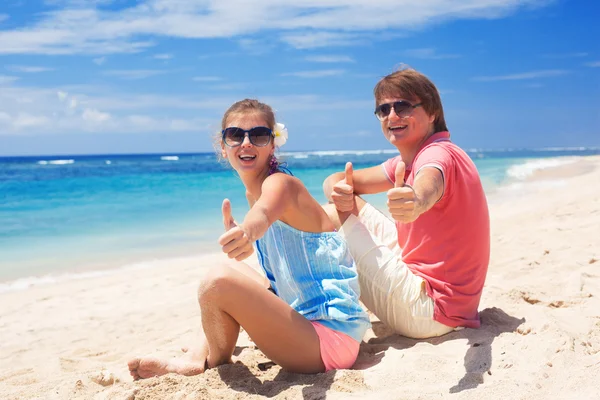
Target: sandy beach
539	339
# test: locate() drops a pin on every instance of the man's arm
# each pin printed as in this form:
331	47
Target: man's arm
364	181
429	187
406	203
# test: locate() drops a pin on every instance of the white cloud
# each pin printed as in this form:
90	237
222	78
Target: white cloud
95	116
24	121
103	108
141	121
206	78
83	27
315	74
217	55
27	69
593	64
134	73
428	54
179	125
330	59
99	60
313	40
524	75
228	86
164	56
255	46
5	79
566	55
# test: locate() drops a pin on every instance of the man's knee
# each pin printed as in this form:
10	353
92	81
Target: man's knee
338	218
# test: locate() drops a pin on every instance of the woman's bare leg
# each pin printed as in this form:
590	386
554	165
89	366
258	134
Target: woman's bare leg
250	273
229	297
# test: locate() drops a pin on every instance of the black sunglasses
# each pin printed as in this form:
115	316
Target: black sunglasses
259	136
401	108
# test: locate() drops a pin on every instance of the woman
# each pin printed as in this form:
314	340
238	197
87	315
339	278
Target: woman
310	320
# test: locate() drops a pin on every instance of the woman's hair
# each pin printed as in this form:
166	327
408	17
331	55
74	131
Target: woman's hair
411	85
250	106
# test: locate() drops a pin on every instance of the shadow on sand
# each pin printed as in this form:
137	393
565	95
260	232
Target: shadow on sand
240	378
477	360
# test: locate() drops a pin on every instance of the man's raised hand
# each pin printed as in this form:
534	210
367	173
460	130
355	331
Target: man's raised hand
402	199
343	191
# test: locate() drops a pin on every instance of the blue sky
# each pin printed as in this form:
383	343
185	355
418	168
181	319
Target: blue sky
118	76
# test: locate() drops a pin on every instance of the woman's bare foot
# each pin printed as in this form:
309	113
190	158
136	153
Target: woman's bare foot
191	363
147	367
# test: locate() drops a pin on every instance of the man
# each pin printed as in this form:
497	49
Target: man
423	272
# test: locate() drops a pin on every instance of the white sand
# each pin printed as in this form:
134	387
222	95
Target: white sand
540	334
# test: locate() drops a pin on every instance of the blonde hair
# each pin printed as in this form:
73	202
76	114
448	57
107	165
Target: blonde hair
411	85
250	106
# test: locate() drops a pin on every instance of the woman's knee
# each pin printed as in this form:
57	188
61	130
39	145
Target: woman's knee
217	282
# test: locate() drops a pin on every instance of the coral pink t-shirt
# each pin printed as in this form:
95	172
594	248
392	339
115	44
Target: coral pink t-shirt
449	245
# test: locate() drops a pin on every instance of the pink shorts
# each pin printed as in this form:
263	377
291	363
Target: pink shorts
338	350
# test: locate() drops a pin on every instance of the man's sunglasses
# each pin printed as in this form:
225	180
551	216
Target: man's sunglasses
401	108
259	136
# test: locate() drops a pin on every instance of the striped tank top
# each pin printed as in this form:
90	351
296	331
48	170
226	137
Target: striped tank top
315	274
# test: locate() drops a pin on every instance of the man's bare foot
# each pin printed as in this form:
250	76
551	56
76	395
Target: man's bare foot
147	367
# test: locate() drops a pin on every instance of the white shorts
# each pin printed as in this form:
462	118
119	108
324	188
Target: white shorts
387	286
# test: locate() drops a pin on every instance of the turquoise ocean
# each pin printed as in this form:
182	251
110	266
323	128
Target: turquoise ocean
68	216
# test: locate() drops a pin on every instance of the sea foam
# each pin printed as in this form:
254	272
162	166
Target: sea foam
525	170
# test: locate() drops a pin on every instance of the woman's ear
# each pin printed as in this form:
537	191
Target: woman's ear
223	152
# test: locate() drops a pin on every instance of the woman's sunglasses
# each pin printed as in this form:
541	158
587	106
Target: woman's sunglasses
259	136
402	108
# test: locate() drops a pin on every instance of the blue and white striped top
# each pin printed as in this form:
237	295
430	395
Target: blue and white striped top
315	274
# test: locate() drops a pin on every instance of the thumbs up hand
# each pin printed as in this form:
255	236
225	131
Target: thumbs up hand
228	221
343	191
402	199
235	242
399	174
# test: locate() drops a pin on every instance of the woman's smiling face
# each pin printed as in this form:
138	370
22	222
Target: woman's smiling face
247	157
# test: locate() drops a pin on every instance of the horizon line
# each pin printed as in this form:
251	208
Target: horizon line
184	153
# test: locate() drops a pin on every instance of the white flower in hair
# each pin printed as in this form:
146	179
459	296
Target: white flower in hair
281	134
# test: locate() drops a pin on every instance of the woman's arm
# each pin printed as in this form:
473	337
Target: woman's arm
278	191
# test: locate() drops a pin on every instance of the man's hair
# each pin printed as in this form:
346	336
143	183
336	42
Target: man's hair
413	86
